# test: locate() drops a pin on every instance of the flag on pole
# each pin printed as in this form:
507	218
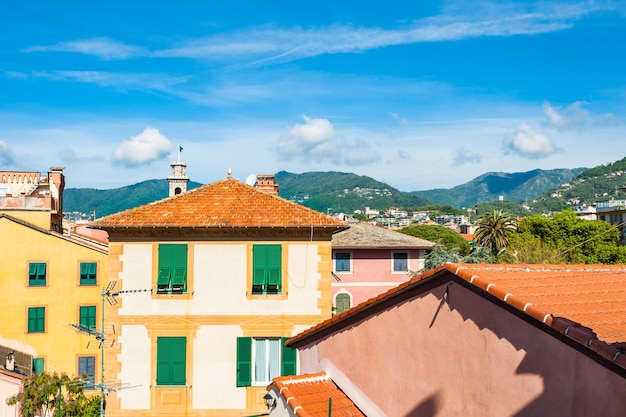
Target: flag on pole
180	148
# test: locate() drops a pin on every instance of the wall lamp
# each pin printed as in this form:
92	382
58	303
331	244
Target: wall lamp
270	402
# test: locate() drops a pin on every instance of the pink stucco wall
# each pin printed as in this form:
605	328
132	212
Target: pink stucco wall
470	358
371	267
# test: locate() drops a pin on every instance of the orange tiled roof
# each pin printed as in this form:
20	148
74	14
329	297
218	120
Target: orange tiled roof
585	302
225	203
307	396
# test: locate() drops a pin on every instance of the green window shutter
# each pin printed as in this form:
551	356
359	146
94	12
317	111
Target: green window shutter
274	265
342	303
164	276
259	265
288	362
163	361
172	267
38	365
88	316
36	319
88	273
171	360
244	361
179	360
266	268
37	274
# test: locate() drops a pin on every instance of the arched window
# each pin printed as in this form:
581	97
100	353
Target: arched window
342	302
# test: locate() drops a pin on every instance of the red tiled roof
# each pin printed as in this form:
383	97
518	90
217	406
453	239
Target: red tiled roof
308	396
585	302
225	203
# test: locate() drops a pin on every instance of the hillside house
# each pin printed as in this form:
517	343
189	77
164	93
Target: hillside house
369	260
236	271
477	340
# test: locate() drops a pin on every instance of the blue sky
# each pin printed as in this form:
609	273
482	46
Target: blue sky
418	94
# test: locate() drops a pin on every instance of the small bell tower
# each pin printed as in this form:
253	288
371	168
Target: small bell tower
178	180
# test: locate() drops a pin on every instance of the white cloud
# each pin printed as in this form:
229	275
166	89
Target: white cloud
150	145
103	48
464	156
528	143
6	154
315	141
572	115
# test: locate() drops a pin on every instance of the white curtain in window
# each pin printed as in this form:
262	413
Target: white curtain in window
260	360
274	358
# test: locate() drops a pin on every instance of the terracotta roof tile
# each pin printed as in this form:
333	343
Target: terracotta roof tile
308	396
225	203
587	303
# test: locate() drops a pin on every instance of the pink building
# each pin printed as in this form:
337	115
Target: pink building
480	340
369	260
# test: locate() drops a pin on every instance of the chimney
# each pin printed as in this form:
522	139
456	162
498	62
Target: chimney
267	183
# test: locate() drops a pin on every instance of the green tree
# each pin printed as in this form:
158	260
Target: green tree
567	239
438	256
493	230
442	235
43	392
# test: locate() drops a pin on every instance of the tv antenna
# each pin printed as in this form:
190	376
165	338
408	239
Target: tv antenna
109	295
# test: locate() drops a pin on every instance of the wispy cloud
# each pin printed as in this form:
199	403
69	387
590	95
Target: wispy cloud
528	143
122	80
266	45
572	115
148	146
464	156
103	48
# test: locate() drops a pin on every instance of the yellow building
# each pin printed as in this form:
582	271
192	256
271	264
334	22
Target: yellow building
235	271
50	280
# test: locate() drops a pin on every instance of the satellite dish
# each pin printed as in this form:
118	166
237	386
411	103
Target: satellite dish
251	180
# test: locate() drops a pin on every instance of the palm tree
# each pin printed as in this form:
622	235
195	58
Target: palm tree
493	230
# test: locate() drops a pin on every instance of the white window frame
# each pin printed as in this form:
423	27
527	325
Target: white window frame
265	379
349	260
408	263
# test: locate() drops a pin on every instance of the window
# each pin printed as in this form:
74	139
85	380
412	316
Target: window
266	269
171	361
342	302
36	319
172	278
400	262
261	359
37	274
87	317
342	261
38	365
87	366
88	273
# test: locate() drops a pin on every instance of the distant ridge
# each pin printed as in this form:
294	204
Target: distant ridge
518	187
335	192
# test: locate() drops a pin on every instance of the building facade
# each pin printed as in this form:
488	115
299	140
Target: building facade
369	260
51	279
480	340
234	272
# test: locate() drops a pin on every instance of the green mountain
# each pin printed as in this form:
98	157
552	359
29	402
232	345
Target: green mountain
342	192
542	190
104	202
518	187
600	183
